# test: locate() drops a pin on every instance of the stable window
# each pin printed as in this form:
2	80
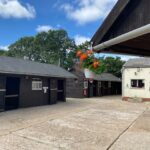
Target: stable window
36	85
137	83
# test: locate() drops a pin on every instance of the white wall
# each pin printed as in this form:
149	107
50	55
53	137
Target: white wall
135	73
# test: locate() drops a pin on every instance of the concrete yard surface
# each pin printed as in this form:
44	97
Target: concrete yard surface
105	123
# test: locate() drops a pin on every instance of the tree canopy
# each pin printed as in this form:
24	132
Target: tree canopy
113	65
3	52
46	47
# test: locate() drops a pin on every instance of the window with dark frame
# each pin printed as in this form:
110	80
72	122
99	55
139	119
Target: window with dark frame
137	83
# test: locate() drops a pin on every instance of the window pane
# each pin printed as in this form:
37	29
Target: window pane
36	85
137	83
140	83
133	83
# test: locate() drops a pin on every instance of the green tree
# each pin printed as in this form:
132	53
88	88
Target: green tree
84	46
3	52
46	47
113	65
24	47
71	58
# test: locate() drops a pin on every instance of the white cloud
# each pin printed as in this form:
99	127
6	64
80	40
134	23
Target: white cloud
4	47
44	28
14	9
87	11
81	39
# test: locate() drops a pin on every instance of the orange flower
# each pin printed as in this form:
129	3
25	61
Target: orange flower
96	64
83	57
79	53
89	52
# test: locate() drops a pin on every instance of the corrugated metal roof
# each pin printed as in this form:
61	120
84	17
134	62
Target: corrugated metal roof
138	62
11	65
106	77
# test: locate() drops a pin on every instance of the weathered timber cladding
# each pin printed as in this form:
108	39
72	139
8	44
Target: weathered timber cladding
64	88
2	92
74	88
25	83
135	15
29	97
108	22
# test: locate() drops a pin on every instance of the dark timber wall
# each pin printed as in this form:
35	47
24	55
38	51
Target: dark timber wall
74	89
29	97
102	88
135	15
2	92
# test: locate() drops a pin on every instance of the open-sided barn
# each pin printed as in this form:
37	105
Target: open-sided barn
25	83
126	30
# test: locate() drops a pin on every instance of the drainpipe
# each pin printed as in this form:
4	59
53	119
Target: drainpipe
124	37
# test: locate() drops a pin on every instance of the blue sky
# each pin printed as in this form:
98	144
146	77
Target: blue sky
80	18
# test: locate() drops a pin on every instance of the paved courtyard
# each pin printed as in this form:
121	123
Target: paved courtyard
79	124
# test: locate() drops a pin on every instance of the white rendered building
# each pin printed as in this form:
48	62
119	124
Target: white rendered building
136	80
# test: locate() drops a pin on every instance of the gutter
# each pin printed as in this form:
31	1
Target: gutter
124	37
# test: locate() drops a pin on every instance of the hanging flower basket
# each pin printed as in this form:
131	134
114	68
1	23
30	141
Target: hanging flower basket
89	63
89	74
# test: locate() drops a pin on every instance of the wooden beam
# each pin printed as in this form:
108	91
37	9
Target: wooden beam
111	18
128	50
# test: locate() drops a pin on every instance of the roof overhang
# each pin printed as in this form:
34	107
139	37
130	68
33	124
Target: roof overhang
135	42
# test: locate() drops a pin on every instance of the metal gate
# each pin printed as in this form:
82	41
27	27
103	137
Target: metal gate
2	92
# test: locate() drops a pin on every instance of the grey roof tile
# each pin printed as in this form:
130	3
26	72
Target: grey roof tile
138	62
107	77
11	65
98	77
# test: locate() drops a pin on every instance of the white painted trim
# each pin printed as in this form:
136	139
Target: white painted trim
124	37
10	96
53	89
2	90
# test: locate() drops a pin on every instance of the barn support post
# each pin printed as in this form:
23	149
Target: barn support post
2	92
64	90
53	91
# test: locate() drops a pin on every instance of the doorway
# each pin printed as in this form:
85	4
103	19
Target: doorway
60	92
90	89
95	88
12	93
